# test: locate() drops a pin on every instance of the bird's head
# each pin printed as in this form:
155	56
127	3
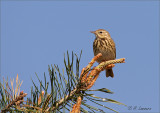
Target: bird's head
101	33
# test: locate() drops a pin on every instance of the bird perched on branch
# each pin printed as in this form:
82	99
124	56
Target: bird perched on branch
104	44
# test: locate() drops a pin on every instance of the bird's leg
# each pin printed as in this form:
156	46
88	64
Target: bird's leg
110	66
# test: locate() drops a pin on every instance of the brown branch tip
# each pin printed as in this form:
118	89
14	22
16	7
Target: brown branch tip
88	80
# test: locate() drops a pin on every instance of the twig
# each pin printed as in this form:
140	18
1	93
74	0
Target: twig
66	98
104	64
29	106
86	70
13	102
77	106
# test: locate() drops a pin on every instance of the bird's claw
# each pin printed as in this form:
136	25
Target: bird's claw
110	66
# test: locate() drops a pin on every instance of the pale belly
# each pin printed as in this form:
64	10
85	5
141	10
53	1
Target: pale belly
107	54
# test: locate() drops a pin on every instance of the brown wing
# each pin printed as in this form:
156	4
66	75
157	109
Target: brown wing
95	47
113	46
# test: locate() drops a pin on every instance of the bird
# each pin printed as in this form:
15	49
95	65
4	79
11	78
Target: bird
105	45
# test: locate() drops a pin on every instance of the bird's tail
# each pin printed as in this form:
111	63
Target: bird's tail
109	72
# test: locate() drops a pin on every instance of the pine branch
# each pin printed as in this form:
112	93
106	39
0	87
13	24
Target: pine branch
65	91
16	101
89	79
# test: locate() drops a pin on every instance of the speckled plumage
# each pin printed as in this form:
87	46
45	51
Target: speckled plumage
104	44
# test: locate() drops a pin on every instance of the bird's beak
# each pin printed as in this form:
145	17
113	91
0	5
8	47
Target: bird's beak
93	32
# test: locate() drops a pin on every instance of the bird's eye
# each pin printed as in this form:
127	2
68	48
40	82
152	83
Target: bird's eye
100	32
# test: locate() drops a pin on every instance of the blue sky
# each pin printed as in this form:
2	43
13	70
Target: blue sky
36	34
